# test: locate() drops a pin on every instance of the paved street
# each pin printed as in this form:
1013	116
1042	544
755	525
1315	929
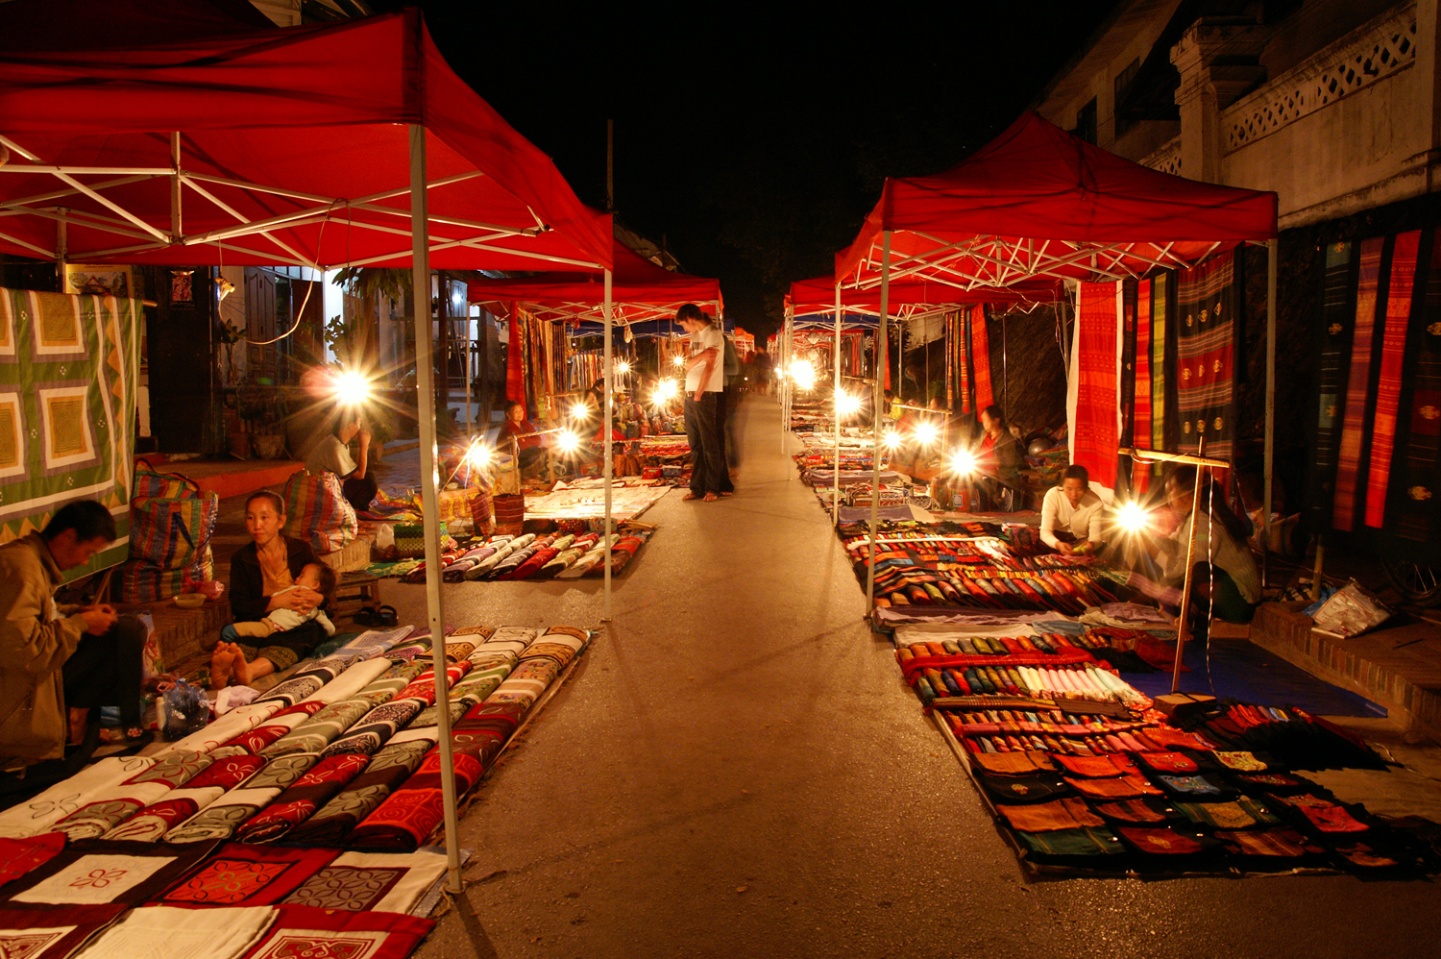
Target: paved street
736	769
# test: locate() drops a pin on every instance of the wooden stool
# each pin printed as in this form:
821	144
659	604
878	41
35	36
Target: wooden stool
353	591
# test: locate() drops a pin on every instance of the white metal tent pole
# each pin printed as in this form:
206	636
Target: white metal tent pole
1272	259
879	395
779	369
469	427
836	460
608	467
430	481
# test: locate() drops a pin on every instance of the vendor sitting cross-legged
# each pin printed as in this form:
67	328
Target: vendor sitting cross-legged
268	575
1071	514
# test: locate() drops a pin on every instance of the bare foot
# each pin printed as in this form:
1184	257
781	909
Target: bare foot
222	665
240	666
79	719
709	498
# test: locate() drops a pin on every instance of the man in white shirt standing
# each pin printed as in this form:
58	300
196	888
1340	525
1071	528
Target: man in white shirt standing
1071	514
704	381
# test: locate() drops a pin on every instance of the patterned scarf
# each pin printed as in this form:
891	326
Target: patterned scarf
1388	387
1206	353
1336	323
1096	440
1353	423
1413	506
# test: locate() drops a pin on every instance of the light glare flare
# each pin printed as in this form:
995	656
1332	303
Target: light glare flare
1132	517
963	462
847	404
567	441
927	433
351	388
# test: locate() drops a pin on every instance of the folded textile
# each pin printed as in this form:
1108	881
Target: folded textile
321	729
39	814
412	811
52	933
19	856
175	807
373	642
1046	817
226	727
375	728
1092	841
95	871
300	801
372	882
171	932
257	739
305	931
1161	840
246	875
388	768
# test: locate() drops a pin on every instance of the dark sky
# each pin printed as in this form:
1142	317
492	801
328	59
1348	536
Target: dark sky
755	143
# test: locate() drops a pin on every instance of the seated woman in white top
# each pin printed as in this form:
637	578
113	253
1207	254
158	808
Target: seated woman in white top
1071	514
1225	573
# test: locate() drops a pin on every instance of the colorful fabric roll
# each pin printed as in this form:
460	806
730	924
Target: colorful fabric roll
388	768
300	801
404	821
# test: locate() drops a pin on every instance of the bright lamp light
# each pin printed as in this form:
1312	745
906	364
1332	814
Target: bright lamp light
804	374
927	432
847	404
351	388
677	361
579	410
963	462
567	441
479	456
891	439
1132	517
622	367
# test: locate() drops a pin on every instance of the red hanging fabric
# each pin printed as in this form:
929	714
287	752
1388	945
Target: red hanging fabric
1388	388
981	357
1141	412
1348	460
1096	438
963	361
514	360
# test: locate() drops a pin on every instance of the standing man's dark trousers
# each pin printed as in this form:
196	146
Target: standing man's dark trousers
732	400
105	670
723	409
702	434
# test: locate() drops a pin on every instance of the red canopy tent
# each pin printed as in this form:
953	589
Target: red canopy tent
351	144
1040	202
275	147
640	291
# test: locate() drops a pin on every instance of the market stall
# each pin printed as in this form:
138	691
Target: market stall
342	145
1039	202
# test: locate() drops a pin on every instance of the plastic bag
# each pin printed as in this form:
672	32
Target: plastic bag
187	710
1351	611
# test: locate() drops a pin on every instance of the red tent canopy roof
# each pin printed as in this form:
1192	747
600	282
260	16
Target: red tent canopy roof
640	290
1040	201
818	295
303	130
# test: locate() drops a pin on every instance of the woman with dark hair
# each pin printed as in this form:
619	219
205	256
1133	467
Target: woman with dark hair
263	578
999	461
1224	573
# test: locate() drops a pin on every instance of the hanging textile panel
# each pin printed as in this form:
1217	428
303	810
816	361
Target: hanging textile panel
1412	507
1206	356
68	369
1163	379
1396	319
981	350
963	362
1358	380
1141	406
515	359
1337	323
1095	438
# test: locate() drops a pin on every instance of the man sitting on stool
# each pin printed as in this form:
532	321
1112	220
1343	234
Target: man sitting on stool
50	657
1071	514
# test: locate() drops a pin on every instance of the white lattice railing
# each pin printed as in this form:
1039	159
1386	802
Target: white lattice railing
1167	158
1377	50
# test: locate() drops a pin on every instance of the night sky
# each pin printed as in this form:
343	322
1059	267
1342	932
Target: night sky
754	145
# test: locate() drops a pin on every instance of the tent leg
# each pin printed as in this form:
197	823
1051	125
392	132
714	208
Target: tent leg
836	458
1272	261
608	467
430	481
879	396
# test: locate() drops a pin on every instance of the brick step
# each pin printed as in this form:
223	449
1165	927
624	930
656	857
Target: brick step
1398	668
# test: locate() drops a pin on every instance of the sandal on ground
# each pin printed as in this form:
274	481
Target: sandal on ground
386	616
690	496
709	498
122	736
364	616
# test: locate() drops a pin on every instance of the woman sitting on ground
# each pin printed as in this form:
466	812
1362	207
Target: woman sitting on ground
1224	574
520	429
267	574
